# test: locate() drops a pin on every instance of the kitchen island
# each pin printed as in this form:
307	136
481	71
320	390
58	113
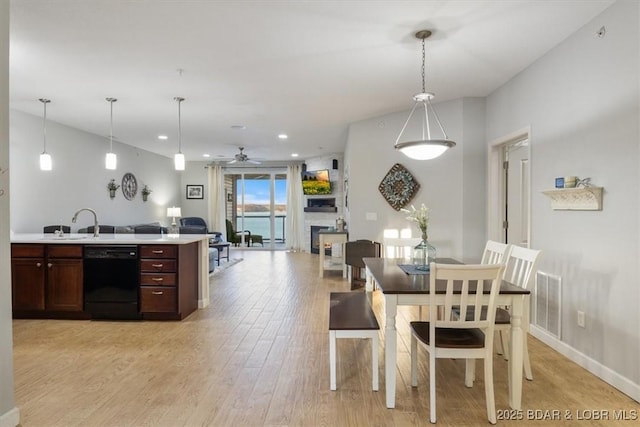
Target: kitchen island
168	275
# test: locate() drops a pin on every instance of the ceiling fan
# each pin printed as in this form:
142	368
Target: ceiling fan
243	158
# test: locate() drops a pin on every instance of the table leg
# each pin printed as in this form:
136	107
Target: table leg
390	348
368	280
516	356
321	253
344	261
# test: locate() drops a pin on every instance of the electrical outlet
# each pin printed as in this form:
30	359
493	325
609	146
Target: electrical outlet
581	319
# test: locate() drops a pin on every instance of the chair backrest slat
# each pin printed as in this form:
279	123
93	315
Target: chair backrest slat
521	265
399	247
495	252
465	286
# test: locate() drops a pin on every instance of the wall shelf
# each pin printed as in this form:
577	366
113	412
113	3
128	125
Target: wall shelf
576	199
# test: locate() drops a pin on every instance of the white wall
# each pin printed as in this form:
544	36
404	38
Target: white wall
9	415
79	178
195	173
581	100
451	185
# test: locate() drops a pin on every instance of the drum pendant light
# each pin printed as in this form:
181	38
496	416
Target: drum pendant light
111	160
45	158
179	157
426	148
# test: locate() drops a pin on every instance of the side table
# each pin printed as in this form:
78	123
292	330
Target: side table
325	237
220	247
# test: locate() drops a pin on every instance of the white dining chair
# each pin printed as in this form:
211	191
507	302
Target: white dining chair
495	252
459	337
520	269
400	247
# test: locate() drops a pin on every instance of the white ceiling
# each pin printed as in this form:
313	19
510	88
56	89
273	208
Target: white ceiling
307	69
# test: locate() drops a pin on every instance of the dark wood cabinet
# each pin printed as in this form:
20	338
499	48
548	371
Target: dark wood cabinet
46	279
27	279
168	281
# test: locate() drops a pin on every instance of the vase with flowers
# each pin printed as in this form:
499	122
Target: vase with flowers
424	253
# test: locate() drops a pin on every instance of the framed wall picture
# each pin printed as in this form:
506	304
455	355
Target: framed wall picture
195	191
229	197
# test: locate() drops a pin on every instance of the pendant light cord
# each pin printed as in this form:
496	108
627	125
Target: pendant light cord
111	101
111	128
44	128
424	90
44	123
179	99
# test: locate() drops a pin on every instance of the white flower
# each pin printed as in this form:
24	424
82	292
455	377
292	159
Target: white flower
421	216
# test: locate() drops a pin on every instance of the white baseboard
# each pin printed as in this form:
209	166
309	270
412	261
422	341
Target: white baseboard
10	418
607	375
202	303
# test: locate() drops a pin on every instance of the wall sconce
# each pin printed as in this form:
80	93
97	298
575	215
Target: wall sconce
145	192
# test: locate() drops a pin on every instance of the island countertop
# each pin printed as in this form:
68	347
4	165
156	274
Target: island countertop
108	239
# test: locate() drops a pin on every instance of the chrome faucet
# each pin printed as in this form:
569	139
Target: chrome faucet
96	228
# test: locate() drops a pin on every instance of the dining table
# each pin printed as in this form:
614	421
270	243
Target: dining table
400	288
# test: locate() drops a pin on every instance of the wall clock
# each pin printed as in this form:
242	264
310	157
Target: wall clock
129	186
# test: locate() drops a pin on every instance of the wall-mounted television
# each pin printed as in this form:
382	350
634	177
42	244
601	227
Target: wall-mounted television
316	182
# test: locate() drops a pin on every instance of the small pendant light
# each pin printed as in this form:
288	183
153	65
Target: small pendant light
179	157
111	160
45	158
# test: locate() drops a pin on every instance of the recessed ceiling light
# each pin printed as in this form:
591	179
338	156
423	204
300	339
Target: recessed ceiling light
283	136
163	137
206	155
294	154
238	127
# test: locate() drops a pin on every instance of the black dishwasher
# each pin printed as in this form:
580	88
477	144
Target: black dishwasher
111	282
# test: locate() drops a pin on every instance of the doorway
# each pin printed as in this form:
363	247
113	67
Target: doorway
509	189
516	203
257	206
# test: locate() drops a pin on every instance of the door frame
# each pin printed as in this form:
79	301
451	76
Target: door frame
496	184
273	172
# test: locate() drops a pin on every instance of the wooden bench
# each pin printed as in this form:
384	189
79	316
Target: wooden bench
351	316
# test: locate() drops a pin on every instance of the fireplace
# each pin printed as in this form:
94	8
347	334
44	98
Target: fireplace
315	240
321	205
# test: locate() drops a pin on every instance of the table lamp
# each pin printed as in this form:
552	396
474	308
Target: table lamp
174	212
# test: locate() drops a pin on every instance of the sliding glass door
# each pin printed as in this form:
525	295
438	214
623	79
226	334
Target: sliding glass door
256	206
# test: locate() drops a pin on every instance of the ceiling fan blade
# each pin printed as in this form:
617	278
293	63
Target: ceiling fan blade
255	162
232	161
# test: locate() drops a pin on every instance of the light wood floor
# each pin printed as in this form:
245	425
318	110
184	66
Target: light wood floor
258	356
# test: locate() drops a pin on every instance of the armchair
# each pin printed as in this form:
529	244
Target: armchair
194	221
235	237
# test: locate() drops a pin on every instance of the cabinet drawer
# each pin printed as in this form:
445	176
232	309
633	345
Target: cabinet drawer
64	251
27	251
156	299
160	265
158	279
158	251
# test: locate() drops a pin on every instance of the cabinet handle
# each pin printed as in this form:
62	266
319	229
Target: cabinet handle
158	251
157	292
157	279
157	265
38	264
